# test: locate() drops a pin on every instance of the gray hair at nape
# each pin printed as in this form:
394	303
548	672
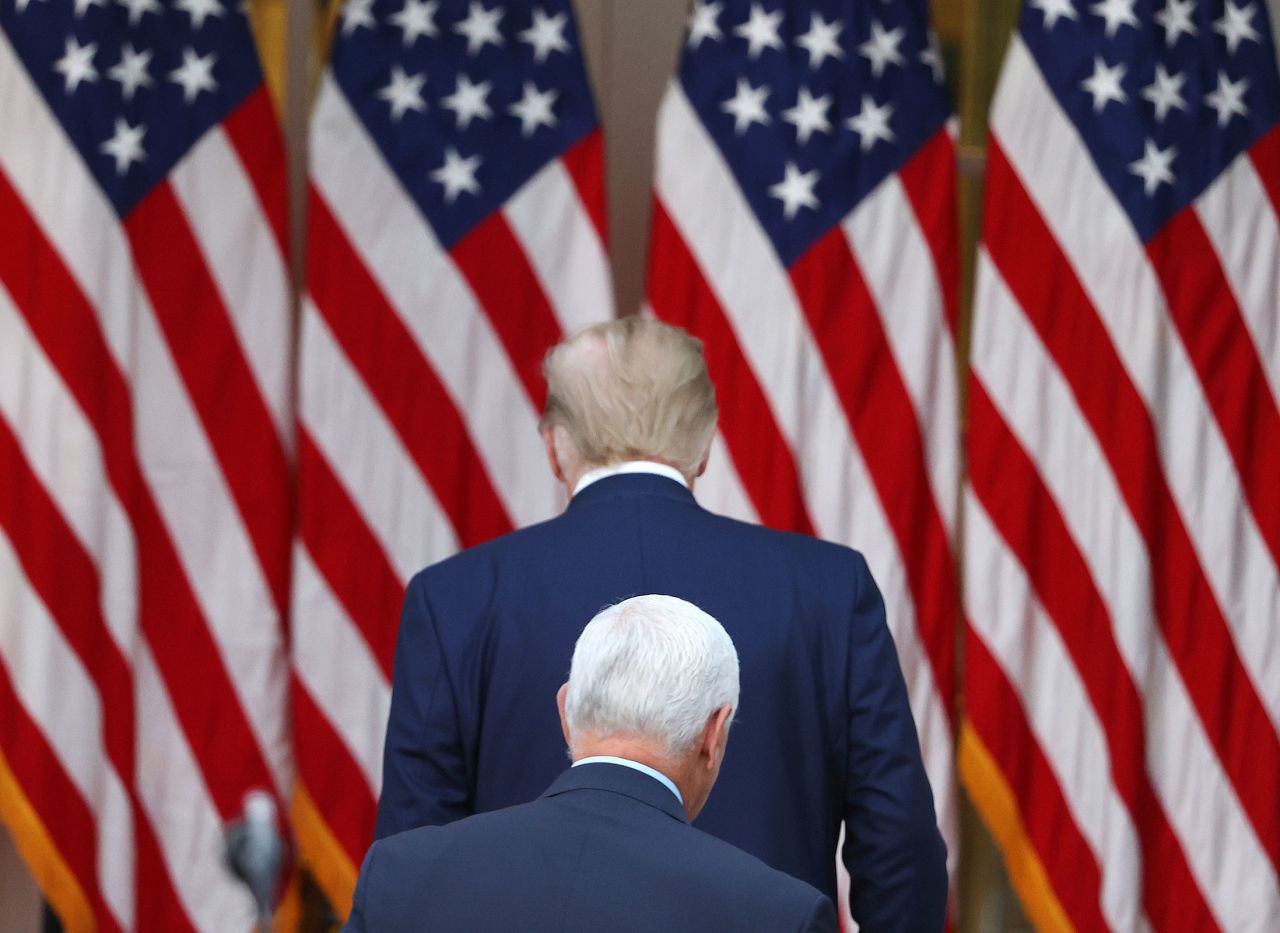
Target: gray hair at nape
652	667
630	389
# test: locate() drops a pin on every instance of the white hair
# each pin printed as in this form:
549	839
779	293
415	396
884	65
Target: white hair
654	667
630	389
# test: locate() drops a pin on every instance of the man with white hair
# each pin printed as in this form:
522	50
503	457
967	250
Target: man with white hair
646	713
826	736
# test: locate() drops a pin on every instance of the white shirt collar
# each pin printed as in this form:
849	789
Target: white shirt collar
630	466
635	766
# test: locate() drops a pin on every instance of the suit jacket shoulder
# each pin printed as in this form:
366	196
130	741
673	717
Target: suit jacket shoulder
606	848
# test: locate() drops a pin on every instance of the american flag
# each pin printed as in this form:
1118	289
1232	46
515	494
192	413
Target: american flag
144	425
804	227
455	234
1122	521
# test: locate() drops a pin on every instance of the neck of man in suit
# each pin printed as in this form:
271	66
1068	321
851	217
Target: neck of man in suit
693	770
569	469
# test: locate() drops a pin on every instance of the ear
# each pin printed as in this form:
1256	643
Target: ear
564	720
702	467
548	433
715	738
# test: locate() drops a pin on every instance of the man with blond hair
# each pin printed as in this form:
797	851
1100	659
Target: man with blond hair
825	737
646	713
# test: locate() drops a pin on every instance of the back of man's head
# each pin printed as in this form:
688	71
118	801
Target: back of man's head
653	669
630	389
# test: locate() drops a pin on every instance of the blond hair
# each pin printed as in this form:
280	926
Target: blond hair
630	389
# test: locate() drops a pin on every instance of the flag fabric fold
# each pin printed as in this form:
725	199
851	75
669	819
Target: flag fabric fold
145	433
804	226
1122	515
455	233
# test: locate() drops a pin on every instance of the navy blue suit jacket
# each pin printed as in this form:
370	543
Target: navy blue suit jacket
823	734
605	850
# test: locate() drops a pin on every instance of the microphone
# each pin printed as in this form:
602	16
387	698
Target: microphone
254	851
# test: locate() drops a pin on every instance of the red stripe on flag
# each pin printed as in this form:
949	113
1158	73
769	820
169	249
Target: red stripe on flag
680	295
333	778
1023	510
402	381
347	553
497	268
846	326
63	812
994	708
64	576
584	161
1265	154
254	132
1043	281
218	378
66	327
1218	342
929	179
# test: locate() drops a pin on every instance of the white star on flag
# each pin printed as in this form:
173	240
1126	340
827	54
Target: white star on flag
1154	168
415	19
1117	13
760	30
808	115
534	108
357	13
457	175
469	101
1176	19
139	8
822	40
1054	10
131	70
882	48
195	74
125	145
404	93
796	190
1104	84
82	6
1228	98
20	5
480	27
704	23
76	64
1236	25
872	123
1165	92
931	56
747	106
546	34
200	10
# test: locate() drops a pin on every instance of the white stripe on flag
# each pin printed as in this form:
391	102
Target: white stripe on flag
1240	222
557	235
59	696
1058	710
241	253
335	666
367	456
896	264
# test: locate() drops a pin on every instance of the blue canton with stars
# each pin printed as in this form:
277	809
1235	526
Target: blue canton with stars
813	103
466	99
134	83
1165	94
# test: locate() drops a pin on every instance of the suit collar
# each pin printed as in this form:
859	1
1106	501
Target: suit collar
632	484
618	779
